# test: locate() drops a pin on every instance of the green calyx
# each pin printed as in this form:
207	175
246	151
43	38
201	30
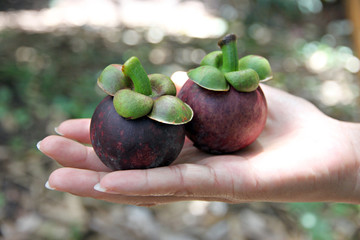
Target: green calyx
171	110
161	85
213	59
209	77
132	105
112	79
258	63
136	94
243	81
220	69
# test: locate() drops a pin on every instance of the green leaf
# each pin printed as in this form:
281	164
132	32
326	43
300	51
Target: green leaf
209	78
161	85
213	59
258	63
171	110
243	81
112	79
132	105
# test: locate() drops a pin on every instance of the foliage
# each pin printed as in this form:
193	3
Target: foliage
326	221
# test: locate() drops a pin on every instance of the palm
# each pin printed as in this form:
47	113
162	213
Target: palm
293	159
291	149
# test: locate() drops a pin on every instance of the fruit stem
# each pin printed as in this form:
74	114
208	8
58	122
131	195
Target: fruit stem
229	52
133	69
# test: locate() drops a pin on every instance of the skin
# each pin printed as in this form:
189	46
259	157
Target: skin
301	156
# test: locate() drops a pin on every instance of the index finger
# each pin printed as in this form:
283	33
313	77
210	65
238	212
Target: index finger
76	129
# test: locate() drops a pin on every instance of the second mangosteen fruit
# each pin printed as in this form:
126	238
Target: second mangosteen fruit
141	123
230	109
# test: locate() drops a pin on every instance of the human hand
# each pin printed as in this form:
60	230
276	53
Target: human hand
302	155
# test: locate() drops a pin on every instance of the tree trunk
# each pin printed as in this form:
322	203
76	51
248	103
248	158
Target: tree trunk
353	13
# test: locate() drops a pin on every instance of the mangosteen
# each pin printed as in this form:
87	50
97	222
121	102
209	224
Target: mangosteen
230	109
140	124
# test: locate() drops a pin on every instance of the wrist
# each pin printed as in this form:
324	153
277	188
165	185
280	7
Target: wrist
353	135
354	138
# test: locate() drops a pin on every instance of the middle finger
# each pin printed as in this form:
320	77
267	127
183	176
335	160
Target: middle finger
81	182
70	153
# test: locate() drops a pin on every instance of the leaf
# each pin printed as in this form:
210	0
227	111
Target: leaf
161	85
258	63
209	78
112	79
171	110
243	81
132	105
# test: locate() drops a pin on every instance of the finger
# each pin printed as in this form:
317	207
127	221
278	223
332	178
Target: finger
76	181
70	153
81	182
77	129
183	180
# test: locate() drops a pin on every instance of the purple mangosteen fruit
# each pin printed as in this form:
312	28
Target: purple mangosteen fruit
141	123
229	106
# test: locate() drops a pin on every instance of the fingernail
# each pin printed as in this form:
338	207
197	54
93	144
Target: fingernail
38	145
57	131
98	187
47	185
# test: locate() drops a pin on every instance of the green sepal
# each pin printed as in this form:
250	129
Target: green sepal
161	85
213	59
134	93
112	79
258	63
209	78
132	105
243	81
171	110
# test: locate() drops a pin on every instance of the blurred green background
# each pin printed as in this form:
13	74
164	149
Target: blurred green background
51	53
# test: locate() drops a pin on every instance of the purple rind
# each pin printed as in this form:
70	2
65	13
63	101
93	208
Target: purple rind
223	122
142	143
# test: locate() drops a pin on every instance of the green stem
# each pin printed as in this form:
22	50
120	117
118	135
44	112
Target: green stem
229	52
133	69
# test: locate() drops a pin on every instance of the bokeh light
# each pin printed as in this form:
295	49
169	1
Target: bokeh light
188	18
